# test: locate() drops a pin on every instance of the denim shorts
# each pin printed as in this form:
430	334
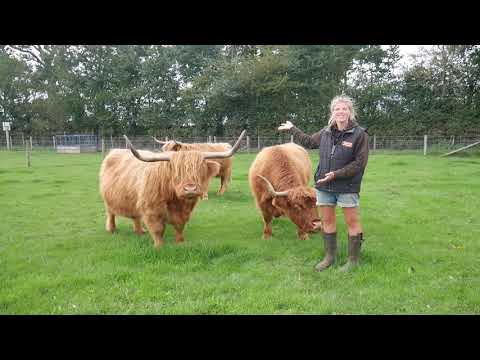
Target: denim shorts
325	198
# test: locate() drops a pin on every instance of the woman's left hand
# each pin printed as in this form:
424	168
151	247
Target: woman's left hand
328	177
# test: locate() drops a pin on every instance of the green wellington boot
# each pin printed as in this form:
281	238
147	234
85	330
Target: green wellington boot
330	242
354	246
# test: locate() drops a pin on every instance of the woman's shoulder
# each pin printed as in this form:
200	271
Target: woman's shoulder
324	129
321	133
362	130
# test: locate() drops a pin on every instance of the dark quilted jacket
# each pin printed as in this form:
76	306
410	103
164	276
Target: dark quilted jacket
343	152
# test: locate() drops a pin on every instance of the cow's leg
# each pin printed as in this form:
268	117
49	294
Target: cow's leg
267	214
267	227
156	226
223	185
224	180
137	226
179	232
110	223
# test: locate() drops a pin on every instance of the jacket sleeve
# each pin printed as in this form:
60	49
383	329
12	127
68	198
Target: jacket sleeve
360	159
308	141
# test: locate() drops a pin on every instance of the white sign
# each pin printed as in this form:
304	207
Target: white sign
6	126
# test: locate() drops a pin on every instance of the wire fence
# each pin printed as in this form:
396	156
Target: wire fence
92	143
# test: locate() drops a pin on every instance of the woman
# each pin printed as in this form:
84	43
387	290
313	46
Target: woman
343	148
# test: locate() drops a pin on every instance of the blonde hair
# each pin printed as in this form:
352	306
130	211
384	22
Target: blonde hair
344	99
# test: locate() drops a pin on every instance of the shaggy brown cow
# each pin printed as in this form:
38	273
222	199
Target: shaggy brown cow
278	180
161	189
225	172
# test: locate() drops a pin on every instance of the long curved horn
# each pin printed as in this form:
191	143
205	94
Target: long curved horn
271	190
164	142
159	141
148	158
225	154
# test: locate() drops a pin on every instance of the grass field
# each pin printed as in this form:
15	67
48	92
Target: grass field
421	219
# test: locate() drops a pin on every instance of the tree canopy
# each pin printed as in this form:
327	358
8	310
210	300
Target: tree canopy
218	89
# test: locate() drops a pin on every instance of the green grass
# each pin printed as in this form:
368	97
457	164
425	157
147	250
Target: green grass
421	252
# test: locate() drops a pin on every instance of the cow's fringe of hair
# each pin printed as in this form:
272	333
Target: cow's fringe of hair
160	176
298	194
186	165
225	164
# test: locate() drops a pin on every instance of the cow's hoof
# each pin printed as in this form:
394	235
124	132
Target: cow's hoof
158	245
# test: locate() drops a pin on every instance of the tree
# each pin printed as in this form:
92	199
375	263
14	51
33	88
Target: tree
48	82
161	107
14	93
374	85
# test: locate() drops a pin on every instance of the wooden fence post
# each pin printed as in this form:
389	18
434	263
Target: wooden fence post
291	138
27	154
214	139
54	145
103	148
425	139
8	139
258	142
248	144
374	142
31	144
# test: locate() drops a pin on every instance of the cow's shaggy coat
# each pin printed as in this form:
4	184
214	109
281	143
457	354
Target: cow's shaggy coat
288	168
158	193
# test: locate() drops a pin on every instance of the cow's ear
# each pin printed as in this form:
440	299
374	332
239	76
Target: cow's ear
280	202
213	168
176	147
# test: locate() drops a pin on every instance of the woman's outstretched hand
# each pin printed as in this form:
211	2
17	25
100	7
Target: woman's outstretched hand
285	126
328	177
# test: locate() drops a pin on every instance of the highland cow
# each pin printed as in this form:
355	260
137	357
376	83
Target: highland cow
156	188
225	172
278	180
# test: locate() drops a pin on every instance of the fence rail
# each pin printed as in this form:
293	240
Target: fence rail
425	144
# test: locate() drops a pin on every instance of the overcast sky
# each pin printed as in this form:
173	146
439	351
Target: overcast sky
406	50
